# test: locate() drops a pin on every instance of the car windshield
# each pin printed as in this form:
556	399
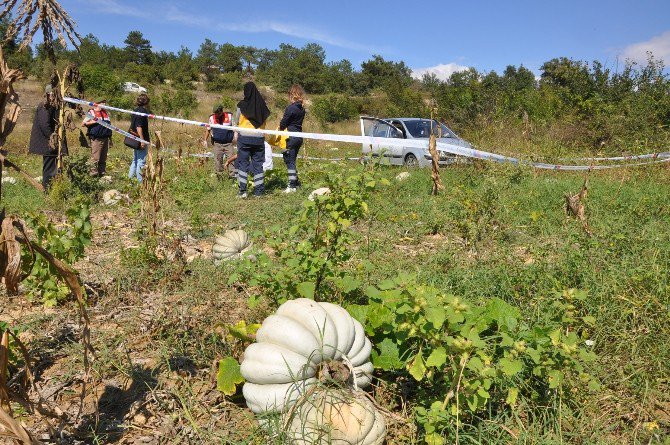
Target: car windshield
420	128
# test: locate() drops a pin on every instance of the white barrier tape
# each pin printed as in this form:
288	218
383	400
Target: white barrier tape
118	130
367	140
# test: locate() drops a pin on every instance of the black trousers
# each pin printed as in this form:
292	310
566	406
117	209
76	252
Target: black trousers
49	170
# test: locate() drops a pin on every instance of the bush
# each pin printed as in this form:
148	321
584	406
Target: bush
100	82
181	102
333	108
226	82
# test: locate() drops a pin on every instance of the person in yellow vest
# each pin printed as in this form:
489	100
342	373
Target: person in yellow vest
252	112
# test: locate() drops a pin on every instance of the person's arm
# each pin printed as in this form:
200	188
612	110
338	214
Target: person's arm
140	130
42	121
229	161
288	113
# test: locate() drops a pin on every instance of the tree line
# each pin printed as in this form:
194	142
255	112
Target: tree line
578	102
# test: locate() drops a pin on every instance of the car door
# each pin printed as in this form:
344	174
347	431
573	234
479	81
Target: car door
379	128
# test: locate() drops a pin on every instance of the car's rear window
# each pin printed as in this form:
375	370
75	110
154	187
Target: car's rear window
420	128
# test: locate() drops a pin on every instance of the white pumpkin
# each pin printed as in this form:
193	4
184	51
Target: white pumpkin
293	348
402	176
336	418
232	245
111	197
318	192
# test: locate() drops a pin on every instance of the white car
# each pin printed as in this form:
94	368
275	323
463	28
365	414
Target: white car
408	129
132	87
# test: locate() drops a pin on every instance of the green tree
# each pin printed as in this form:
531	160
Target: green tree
229	57
206	58
138	49
378	72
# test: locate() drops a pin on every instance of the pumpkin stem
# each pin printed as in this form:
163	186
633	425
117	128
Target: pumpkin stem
334	370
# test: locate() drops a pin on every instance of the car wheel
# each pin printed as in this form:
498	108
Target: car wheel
411	161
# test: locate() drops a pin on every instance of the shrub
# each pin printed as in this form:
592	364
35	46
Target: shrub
226	82
180	101
333	108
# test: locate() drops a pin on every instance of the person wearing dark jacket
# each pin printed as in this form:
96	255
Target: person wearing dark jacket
43	137
252	112
292	121
140	125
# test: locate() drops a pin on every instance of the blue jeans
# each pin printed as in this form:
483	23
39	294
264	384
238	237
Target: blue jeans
139	158
290	156
250	159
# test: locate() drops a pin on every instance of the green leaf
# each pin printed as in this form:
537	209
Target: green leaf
510	367
512	395
555	378
306	289
437	358
418	368
434	439
359	312
228	376
436	316
388	357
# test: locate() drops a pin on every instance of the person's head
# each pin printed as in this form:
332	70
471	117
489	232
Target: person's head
142	100
48	94
97	106
217	110
249	89
248	76
296	93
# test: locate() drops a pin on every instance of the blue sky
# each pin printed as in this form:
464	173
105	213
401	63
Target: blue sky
430	34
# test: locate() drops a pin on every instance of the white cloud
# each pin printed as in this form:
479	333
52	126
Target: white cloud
173	14
442	71
658	45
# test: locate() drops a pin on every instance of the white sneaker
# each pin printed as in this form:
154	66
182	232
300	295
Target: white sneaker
242	195
290	190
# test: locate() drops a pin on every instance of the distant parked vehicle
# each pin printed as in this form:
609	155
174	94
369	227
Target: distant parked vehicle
132	87
408	128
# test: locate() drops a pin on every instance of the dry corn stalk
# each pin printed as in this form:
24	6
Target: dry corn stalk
9	100
575	205
28	16
152	185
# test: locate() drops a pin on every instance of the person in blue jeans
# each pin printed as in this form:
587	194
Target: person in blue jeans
140	125
292	120
252	112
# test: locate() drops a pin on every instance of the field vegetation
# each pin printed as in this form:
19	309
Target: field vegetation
496	317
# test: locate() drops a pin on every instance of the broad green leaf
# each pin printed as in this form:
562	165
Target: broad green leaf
434	439
475	364
510	367
388	357
418	368
555	378
306	289
228	376
502	313
436	316
359	312
437	358
512	395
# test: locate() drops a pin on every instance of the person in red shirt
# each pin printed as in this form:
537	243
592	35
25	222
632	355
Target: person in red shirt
222	140
99	136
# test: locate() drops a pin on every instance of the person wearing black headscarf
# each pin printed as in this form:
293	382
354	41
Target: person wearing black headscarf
252	112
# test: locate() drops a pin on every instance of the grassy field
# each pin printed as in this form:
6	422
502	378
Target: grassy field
496	231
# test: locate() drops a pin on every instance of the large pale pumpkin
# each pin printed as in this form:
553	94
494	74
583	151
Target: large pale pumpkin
336	417
302	342
231	245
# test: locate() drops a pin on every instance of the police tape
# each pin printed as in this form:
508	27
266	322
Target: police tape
118	130
382	142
